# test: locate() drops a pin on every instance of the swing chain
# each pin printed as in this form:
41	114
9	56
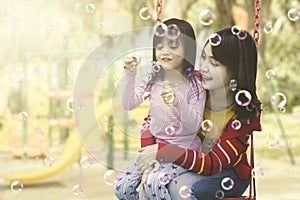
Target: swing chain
159	10
257	6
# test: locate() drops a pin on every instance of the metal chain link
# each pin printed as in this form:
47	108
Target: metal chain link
257	7
159	10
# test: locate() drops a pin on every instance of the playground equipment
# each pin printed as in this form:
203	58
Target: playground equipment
71	152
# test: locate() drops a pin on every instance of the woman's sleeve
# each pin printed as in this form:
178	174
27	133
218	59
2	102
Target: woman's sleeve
132	97
146	137
226	153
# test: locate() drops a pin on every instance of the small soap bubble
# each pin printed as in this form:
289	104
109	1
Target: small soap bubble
49	160
282	109
273	139
112	34
243	98
173	32
219	194
39	131
242	35
38	72
293	14
206	17
145	13
268	28
278	100
90	8
170	130
233	85
258	172
74	104
235	30
16	186
215	39
110	177
185	192
160	29
227	183
270	74
23	116
207	125
164	178
236	124
156	67
100	25
86	161
265	108
77	189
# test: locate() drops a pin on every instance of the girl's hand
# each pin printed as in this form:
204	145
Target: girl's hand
131	62
146	157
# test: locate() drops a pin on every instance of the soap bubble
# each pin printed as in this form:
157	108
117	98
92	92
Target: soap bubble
268	28
227	183
185	192
16	186
145	13
77	189
110	177
278	100
206	17
215	39
294	14
243	98
90	8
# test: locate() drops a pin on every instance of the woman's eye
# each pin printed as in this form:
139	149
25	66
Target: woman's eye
212	61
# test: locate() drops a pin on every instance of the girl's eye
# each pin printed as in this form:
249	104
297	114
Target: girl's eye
159	46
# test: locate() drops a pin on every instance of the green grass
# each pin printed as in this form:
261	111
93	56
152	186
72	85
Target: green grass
291	124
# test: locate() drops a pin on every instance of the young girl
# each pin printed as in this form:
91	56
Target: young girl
176	106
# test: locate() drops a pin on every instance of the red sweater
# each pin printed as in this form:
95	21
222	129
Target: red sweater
228	152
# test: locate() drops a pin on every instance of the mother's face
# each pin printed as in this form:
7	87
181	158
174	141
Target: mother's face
214	74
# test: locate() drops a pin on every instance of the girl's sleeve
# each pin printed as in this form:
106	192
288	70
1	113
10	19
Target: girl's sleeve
224	154
191	108
132	96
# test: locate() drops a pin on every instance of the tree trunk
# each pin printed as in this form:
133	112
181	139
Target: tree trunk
224	10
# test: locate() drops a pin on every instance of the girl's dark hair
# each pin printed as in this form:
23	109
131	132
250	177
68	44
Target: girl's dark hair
187	35
239	55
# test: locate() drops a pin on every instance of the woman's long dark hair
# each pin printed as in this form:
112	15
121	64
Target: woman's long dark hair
189	42
239	55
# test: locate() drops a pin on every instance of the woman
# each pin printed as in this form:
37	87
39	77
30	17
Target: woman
228	69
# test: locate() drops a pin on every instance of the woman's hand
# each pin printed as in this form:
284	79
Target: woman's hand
146	157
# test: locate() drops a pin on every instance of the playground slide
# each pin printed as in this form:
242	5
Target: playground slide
72	150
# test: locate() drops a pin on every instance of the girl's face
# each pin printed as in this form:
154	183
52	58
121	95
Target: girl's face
214	74
171	58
